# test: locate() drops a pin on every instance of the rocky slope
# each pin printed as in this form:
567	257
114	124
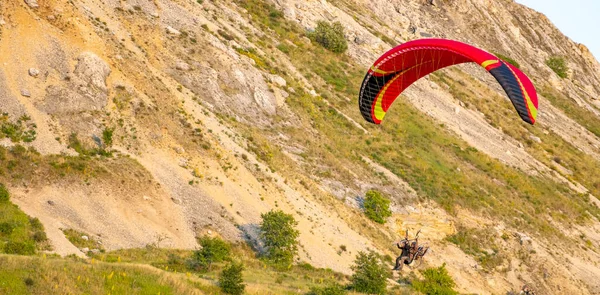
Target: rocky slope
204	103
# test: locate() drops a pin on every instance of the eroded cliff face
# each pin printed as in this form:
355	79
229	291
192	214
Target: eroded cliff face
215	122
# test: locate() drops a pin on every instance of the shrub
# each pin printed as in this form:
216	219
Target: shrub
558	65
19	248
377	207
330	36
230	279
6	228
107	136
213	250
279	233
4	195
370	274
335	289
436	281
39	237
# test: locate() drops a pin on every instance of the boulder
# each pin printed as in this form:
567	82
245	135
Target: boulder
25	93
93	70
33	72
535	138
278	80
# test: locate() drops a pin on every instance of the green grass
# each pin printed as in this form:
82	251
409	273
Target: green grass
41	275
76	238
508	59
259	276
19	233
20	130
475	241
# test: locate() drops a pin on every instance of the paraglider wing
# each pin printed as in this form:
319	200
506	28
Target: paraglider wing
400	67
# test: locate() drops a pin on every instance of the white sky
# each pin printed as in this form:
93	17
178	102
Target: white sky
578	19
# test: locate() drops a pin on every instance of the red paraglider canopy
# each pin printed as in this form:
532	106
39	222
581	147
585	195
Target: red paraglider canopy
398	68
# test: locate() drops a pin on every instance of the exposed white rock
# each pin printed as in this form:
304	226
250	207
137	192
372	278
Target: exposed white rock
33	72
278	80
173	31
32	3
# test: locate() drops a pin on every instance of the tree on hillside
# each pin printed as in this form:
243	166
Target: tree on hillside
213	250
230	279
279	233
370	273
377	207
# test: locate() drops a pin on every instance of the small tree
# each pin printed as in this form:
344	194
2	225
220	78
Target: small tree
230	279
213	250
334	289
4	195
558	65
330	36
370	273
377	207
278	232
437	282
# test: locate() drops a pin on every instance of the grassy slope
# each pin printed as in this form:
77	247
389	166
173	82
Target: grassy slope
429	155
150	271
432	160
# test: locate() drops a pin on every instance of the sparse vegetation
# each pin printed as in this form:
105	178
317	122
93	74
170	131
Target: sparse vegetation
230	279
475	241
280	236
330	36
558	65
508	59
19	131
82	240
19	234
377	207
370	273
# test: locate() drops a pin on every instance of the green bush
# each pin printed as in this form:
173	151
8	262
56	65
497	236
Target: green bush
377	207
107	136
330	36
4	195
370	273
279	233
6	228
334	289
558	65
230	279
213	250
436	281
19	248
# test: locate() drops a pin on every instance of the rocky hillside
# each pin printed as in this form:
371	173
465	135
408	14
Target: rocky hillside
164	120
